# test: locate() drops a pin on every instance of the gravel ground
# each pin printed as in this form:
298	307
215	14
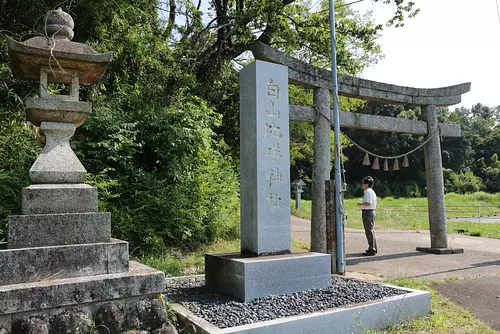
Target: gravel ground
225	312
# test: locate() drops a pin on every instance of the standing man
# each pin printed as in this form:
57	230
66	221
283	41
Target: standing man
368	207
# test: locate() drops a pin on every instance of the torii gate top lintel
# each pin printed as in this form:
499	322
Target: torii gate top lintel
303	74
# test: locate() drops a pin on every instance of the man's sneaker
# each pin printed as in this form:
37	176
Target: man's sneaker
368	253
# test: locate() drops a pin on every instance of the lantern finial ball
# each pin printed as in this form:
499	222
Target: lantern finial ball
59	24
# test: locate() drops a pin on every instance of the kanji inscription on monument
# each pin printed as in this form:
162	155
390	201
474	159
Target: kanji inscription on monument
265	159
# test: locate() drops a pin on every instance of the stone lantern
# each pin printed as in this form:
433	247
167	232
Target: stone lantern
297	189
61	262
57	60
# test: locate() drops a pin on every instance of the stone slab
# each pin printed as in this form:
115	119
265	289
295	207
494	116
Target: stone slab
139	280
137	314
247	278
265	159
28	231
59	198
56	262
440	251
358	318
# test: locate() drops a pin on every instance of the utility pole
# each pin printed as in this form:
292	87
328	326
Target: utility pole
336	143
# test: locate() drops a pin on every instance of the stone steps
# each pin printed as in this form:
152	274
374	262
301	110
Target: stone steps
47	294
42	230
37	264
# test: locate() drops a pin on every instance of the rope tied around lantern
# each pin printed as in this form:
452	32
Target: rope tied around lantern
376	164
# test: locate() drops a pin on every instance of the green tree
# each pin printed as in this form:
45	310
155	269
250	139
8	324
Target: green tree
477	148
490	168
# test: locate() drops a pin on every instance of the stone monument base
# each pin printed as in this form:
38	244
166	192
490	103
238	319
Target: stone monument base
247	278
440	251
111	303
356	319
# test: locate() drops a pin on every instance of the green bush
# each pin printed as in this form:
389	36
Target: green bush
491	170
18	150
461	183
482	196
451	195
160	174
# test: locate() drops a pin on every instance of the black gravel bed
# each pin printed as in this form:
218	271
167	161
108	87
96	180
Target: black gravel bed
224	312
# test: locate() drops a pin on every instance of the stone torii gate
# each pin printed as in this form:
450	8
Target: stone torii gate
308	76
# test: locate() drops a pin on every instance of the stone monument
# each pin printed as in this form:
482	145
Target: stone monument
62	272
265	264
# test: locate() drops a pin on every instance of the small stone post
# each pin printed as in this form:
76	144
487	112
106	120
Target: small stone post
434	180
297	189
321	169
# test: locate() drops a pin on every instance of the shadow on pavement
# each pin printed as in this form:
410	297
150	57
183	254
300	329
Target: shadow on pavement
472	265
357	258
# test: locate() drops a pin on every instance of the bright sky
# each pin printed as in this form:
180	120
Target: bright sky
447	43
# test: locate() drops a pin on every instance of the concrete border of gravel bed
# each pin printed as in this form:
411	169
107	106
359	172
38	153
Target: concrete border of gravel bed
359	318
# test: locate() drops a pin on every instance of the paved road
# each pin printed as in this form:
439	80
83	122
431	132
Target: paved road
478	268
482	219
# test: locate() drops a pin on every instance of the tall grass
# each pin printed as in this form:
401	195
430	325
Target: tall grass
176	262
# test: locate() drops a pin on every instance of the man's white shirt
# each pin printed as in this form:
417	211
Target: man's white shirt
370	197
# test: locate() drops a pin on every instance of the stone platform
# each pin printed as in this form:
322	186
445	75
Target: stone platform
47	294
247	278
358	318
59	198
85	298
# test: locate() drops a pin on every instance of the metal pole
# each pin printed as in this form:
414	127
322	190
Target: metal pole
336	143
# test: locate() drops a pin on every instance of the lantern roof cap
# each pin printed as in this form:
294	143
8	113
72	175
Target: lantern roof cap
55	49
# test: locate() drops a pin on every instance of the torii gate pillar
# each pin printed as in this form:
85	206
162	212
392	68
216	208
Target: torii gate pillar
435	187
321	169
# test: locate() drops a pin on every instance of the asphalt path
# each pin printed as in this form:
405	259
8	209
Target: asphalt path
476	272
